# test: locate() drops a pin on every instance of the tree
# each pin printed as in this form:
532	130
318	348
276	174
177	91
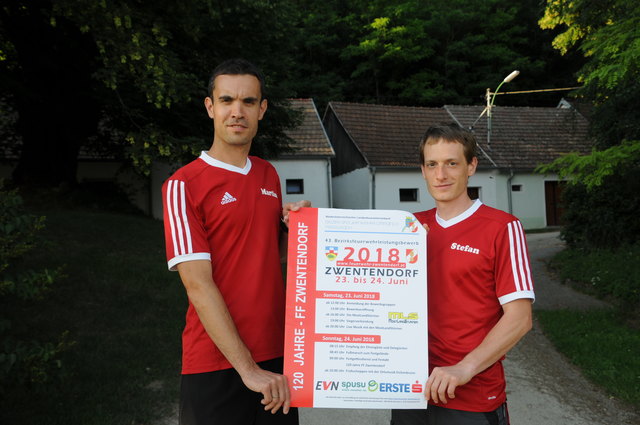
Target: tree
132	75
439	52
424	53
608	34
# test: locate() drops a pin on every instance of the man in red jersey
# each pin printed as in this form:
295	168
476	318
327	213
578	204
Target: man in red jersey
222	216
480	289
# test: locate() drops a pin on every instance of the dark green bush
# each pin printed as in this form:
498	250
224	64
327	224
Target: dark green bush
24	360
605	215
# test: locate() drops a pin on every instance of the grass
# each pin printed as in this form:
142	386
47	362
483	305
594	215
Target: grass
123	310
613	275
607	351
604	344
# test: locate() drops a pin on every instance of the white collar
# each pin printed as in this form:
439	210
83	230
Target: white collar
217	163
460	217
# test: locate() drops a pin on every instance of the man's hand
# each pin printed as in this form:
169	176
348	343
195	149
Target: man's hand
273	386
512	326
293	206
443	381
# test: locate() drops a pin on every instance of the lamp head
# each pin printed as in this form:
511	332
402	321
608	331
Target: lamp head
511	76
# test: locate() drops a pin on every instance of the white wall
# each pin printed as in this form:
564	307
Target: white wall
529	203
352	190
316	176
488	182
387	187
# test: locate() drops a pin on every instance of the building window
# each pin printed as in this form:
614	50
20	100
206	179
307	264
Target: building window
408	195
295	186
516	188
473	192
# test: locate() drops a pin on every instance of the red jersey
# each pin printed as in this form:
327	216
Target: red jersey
230	216
477	261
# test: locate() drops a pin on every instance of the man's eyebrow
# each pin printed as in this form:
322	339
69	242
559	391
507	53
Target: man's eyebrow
250	99
444	160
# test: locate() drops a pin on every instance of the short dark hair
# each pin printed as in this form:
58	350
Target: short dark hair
236	66
450	133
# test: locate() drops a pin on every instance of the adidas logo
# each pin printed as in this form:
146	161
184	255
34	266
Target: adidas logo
227	198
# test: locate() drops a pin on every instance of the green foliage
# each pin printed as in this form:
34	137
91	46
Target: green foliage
599	210
605	216
606	31
609	274
605	350
439	52
142	68
23	359
591	170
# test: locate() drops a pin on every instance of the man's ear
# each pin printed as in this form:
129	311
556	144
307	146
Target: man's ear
208	104
263	108
471	168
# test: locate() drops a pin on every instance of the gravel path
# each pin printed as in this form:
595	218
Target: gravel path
543	388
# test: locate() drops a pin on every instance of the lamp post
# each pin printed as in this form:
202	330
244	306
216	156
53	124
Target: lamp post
491	99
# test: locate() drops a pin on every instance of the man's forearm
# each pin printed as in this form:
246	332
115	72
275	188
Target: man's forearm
218	323
512	326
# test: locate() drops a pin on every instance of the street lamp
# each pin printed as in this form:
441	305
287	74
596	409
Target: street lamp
490	99
508	78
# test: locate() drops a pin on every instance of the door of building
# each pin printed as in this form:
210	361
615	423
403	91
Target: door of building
553	202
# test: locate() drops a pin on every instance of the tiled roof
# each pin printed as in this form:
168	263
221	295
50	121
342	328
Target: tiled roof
522	137
582	106
387	135
310	137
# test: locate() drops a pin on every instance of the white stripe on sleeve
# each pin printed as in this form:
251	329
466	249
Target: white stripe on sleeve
520	254
176	215
514	260
528	281
170	214
185	220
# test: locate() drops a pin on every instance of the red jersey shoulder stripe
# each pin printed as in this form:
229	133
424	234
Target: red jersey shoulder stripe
178	220
519	258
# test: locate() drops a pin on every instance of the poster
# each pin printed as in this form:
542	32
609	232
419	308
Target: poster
356	318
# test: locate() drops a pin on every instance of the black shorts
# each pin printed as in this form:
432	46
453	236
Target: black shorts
436	415
221	397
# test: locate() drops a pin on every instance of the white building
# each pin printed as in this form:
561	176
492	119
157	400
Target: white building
305	173
377	162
